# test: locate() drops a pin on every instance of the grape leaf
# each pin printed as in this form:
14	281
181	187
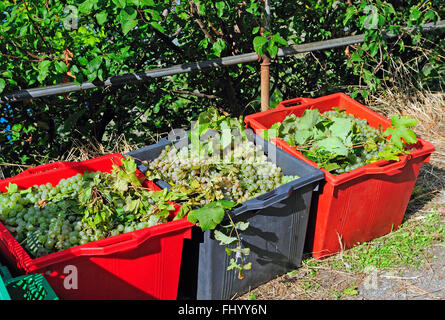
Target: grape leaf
183	211
331	166
308	120
205	119
97	219
301	136
195	184
287	126
334	146
26	191
12	188
388	155
129	165
242	225
163	213
120	184
85	195
272	133
243	251
132	205
400	131
226	136
259	44
234	265
291	140
101	17
208	218
341	128
319	134
224	239
371	145
223	203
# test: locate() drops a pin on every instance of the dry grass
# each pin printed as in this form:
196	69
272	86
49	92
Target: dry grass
425	106
116	144
84	151
308	283
429	109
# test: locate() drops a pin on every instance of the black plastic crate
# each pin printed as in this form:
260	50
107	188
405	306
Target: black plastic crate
276	233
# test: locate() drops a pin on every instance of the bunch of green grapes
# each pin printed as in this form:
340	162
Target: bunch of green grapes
241	174
364	134
47	218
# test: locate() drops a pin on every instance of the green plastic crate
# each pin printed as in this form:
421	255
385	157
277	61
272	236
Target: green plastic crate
27	287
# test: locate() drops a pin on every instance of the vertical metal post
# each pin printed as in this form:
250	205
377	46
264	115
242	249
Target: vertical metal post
265	83
2	176
265	65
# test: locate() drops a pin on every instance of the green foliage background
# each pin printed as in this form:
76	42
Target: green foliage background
43	43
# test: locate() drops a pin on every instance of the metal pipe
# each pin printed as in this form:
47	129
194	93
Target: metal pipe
190	67
128	78
345	41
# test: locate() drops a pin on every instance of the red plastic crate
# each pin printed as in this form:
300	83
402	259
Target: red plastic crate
143	264
355	206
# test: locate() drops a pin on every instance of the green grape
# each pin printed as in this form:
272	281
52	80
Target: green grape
60	222
250	165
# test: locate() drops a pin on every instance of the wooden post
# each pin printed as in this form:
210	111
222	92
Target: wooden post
265	83
2	176
265	63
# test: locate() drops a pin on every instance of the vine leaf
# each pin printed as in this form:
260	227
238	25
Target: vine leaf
331	166
334	146
126	174
2	84
341	128
259	44
210	215
120	184
132	205
242	225
226	204
389	155
224	239
400	131
183	211
302	136
207	217
226	135
12	188
241	268
85	195
286	127
243	251
308	120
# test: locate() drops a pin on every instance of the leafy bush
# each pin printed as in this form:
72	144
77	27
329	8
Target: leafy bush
47	42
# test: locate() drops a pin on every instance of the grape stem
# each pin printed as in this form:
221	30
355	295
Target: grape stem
240	276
